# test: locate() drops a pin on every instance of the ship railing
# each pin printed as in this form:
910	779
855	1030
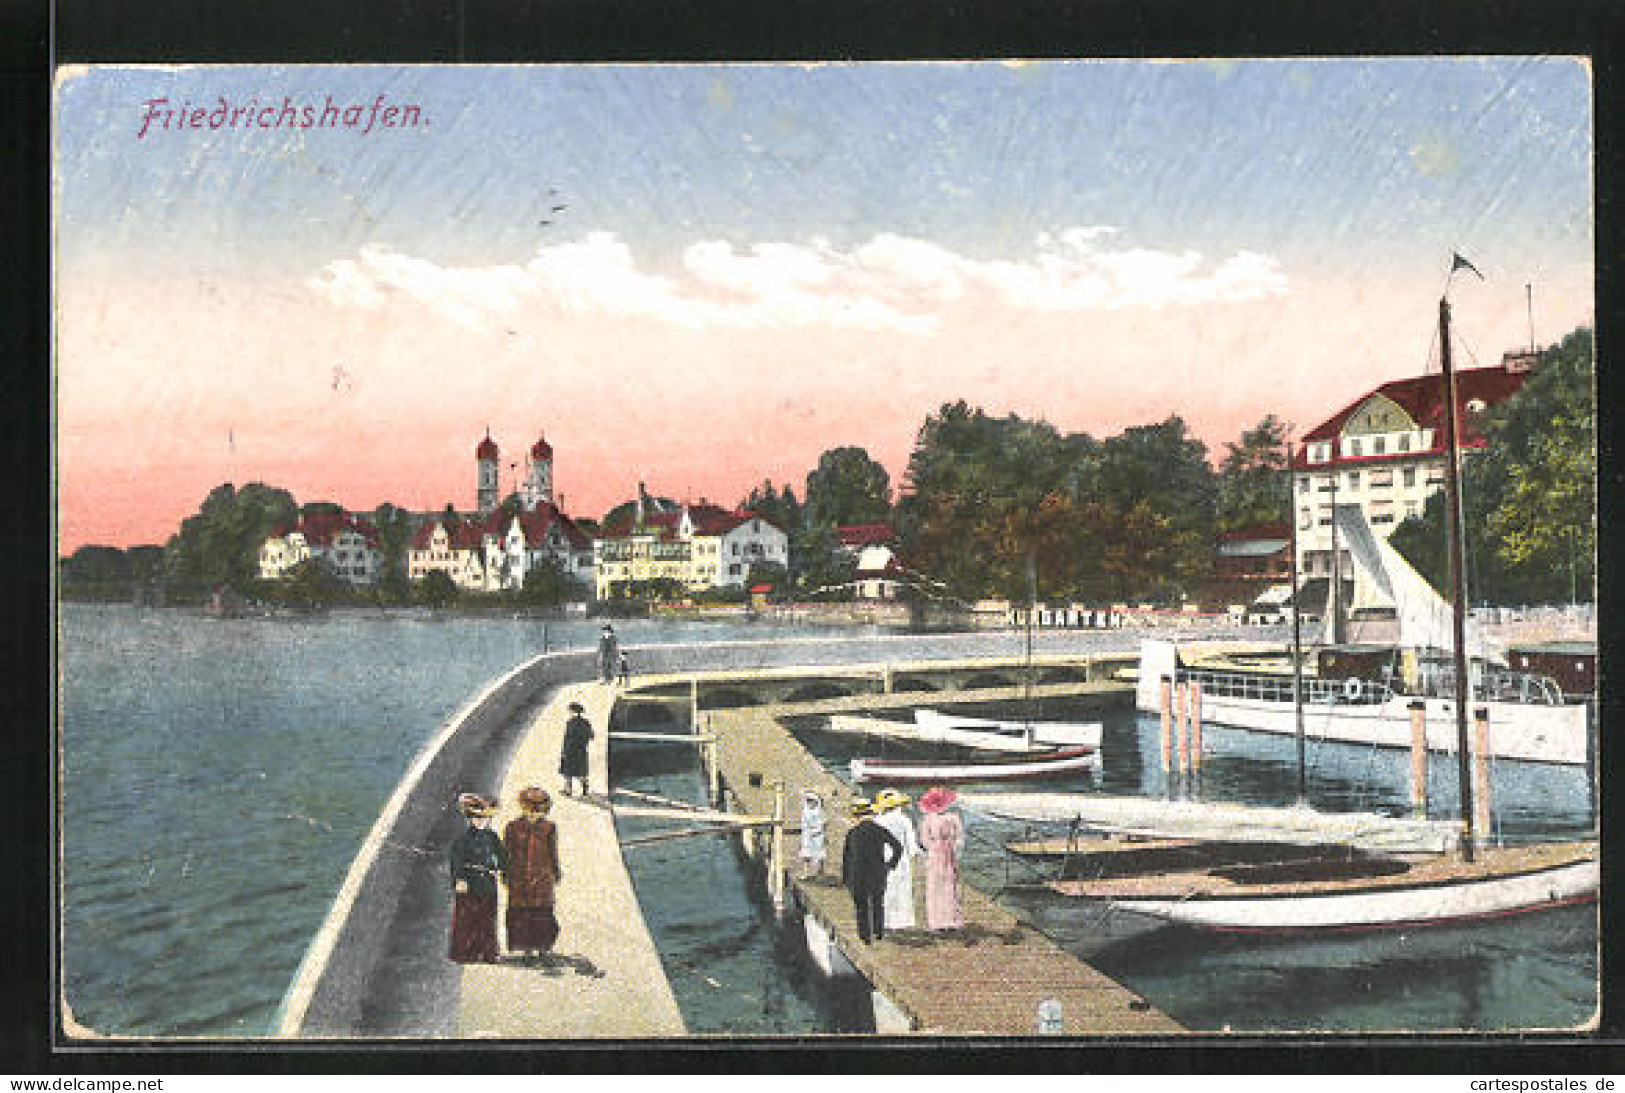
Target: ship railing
1273	687
1494	685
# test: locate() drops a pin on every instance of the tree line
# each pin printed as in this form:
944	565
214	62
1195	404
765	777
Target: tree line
986	498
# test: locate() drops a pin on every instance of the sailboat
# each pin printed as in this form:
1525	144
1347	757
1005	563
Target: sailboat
1202	881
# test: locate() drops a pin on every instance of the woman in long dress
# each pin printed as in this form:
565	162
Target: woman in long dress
900	881
532	844
943	834
477	862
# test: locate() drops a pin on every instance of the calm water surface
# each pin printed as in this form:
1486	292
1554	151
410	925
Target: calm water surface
218	777
1530	972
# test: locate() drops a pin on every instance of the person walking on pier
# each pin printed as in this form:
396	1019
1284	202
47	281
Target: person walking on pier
532	844
608	654
573	763
812	834
889	804
943	834
477	861
868	856
625	669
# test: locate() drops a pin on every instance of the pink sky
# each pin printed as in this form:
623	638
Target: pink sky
365	404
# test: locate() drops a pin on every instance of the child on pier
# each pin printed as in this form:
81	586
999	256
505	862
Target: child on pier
812	834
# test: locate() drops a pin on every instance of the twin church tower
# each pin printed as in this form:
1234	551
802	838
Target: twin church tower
534	491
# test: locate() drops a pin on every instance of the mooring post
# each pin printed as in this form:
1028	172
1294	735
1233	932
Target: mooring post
775	862
1419	759
1182	727
1165	703
713	765
1481	774
1196	725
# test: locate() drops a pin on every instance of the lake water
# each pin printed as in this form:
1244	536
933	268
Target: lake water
218	776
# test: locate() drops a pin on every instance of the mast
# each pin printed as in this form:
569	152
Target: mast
1297	632
1334	595
1027	676
1458	597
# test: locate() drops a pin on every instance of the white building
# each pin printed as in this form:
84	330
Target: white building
1385	452
345	546
699	546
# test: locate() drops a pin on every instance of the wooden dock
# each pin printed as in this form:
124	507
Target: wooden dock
988	979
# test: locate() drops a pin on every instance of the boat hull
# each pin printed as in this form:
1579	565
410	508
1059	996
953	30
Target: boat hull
953	728
1502	884
1060	764
1523	731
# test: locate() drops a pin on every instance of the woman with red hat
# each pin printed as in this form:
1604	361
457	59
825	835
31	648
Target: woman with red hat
477	861
943	835
532	843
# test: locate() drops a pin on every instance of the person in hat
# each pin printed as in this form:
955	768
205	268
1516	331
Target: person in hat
609	649
477	862
812	834
867	857
532	845
625	669
943	834
573	754
889	807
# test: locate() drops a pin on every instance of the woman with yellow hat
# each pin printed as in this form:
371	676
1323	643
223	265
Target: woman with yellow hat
889	805
477	861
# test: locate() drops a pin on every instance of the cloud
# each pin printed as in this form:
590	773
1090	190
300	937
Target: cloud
890	283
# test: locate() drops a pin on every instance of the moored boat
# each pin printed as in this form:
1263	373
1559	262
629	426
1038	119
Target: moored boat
1057	763
1026	735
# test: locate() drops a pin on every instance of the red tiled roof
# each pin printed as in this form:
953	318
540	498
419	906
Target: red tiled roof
860	535
1422	397
319	528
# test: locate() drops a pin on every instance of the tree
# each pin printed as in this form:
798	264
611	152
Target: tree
1253	485
395	527
772	574
779	506
546	583
310	585
220	545
1529	495
847	487
437	589
819	565
1165	470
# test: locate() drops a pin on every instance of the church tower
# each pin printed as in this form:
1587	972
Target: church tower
486	464
538	485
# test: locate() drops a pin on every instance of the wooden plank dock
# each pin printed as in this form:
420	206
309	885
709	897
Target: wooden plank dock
988	979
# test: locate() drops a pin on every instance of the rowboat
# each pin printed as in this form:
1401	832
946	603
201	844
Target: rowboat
1058	763
1356	892
1024	735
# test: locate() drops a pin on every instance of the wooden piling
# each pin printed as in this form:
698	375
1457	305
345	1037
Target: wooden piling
775	857
1182	726
1196	725
1419	759
1481	775
1165	702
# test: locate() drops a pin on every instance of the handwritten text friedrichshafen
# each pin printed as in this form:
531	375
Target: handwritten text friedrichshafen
360	118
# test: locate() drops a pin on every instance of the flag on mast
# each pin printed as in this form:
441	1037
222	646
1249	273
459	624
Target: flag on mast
1458	262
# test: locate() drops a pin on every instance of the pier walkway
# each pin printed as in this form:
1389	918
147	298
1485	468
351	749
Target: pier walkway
604	978
987	979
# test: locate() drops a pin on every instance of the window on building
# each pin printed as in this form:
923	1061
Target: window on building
1379	445
1354	480
1354	447
1405	442
1381	479
1303	485
1408	476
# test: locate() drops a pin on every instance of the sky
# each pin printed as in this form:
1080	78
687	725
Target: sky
702	276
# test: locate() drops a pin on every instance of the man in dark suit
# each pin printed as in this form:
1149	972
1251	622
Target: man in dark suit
869	854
